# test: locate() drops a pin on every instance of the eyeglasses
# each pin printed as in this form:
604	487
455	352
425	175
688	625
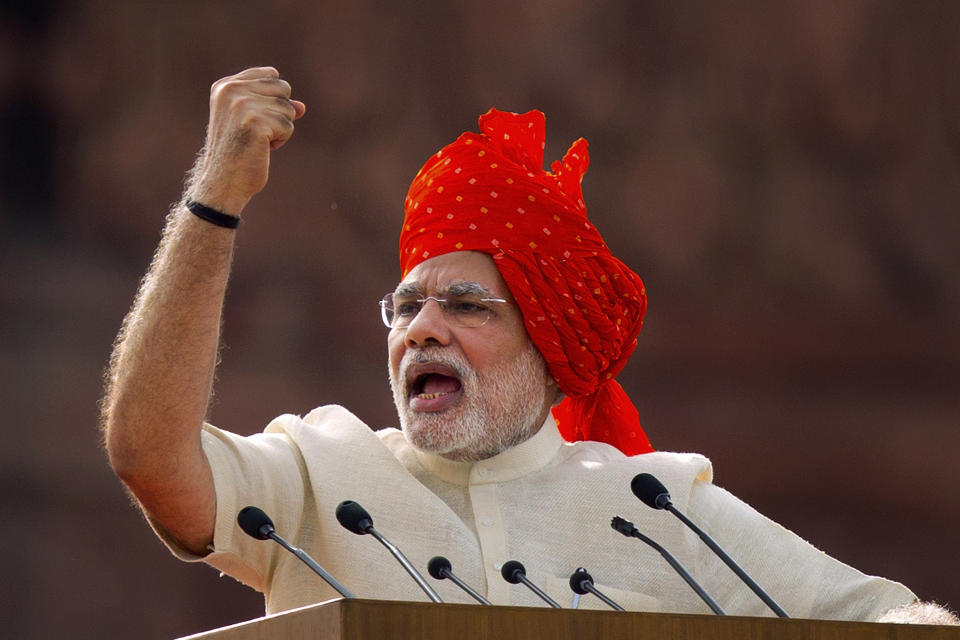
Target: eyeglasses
398	312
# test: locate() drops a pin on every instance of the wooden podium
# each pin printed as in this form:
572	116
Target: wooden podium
377	619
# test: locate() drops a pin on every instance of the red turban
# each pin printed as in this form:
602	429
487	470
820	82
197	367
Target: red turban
582	307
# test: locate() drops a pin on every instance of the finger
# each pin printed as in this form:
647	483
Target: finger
275	123
253	74
282	133
282	107
282	93
272	87
257	72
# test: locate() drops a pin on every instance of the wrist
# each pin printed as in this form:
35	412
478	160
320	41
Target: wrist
211	215
227	204
217	194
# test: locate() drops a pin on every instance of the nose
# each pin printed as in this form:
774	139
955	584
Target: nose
429	327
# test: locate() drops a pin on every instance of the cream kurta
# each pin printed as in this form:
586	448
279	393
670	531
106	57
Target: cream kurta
546	503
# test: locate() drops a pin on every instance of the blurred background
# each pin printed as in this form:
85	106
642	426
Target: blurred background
785	177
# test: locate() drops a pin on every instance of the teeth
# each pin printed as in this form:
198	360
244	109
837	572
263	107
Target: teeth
431	396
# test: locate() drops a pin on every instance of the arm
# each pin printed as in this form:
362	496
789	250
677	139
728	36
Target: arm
161	372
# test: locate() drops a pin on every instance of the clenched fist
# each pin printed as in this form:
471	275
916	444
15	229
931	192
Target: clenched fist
251	114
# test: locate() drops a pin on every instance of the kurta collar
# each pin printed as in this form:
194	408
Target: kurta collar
527	457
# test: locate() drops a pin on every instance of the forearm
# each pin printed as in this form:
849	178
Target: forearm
161	375
162	367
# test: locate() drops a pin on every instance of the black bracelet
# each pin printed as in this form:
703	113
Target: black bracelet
213	216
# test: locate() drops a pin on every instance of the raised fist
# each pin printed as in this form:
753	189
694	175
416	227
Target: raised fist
251	114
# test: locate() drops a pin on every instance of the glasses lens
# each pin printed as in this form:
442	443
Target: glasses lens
405	309
467	311
398	312
386	309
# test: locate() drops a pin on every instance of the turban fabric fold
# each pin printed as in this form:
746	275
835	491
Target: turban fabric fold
581	306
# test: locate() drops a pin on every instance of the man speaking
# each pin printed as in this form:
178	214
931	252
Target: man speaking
506	331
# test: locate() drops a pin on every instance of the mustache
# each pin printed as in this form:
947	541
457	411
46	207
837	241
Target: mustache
435	355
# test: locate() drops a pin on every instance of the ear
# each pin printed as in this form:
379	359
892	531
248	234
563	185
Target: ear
554	388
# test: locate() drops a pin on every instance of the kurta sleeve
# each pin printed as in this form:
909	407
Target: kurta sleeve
264	470
803	580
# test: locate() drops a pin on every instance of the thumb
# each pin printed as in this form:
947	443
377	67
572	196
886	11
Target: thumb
300	109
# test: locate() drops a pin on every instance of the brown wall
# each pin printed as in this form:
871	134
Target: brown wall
785	177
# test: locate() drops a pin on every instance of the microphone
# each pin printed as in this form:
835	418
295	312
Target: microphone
439	567
514	573
652	493
626	528
582	583
355	518
257	524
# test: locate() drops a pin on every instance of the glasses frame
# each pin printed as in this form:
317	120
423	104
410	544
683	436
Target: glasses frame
388	300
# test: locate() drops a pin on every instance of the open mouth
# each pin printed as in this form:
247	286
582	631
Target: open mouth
433	386
429	386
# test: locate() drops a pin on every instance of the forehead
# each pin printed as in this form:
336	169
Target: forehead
436	275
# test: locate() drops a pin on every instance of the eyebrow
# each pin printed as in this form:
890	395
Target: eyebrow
453	289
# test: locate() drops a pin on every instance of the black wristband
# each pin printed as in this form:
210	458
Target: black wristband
212	216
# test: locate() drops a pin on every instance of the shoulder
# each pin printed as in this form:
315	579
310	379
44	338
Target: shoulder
333	415
688	467
326	428
605	466
326	422
691	466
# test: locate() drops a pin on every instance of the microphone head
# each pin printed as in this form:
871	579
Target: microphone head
622	526
650	490
577	580
512	571
255	523
353	517
438	567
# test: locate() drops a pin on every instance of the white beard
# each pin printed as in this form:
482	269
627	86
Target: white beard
499	409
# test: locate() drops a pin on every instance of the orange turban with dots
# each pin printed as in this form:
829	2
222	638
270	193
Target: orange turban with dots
582	307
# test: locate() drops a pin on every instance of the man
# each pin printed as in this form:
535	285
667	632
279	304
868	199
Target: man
507	330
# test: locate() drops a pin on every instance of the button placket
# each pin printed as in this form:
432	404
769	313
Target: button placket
491	534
